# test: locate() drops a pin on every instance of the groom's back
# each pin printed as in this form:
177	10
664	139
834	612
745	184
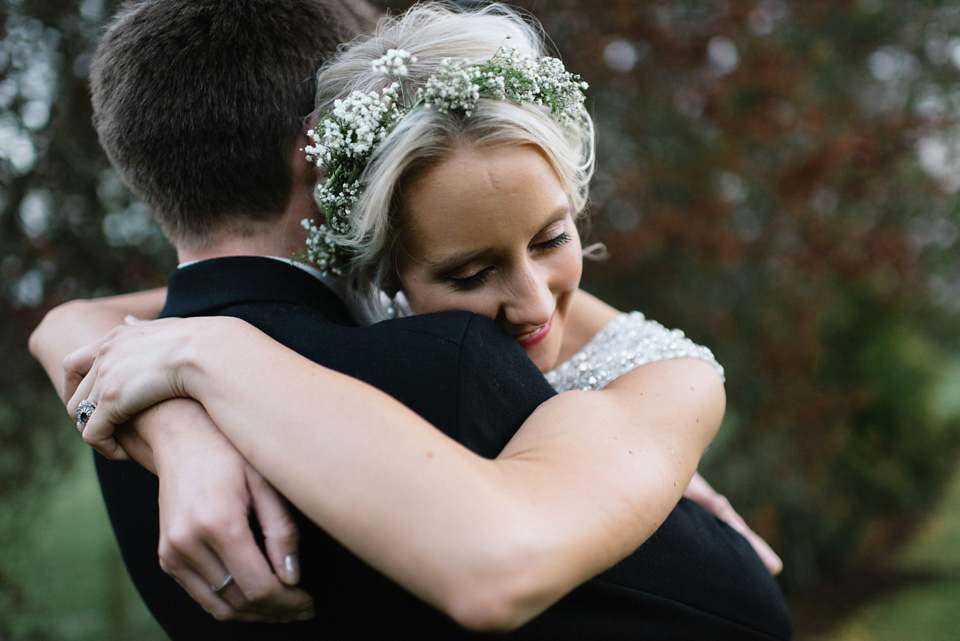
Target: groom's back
695	578
457	370
209	149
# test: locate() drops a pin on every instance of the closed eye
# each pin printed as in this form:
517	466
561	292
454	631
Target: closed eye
473	281
557	241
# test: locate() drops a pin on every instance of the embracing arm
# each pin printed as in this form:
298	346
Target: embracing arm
587	479
76	323
588	316
207	490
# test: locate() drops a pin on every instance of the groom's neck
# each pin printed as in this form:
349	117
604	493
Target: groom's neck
282	237
274	243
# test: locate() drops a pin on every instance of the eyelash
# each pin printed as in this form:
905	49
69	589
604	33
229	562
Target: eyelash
562	239
476	280
471	282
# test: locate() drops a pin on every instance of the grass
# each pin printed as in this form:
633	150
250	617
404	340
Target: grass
69	568
924	608
923	604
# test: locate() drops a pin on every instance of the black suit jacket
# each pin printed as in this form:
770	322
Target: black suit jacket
695	578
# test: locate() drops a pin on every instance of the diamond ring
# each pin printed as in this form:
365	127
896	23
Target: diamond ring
85	411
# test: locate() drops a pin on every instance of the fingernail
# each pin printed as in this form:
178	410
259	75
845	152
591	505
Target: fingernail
306	615
292	566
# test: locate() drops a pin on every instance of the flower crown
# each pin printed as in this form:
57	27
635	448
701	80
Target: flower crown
345	138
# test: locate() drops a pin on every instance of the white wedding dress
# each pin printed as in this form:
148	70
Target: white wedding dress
625	343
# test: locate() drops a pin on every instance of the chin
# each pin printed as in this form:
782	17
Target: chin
543	360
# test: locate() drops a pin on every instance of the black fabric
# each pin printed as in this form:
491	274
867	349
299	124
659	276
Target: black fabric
694	579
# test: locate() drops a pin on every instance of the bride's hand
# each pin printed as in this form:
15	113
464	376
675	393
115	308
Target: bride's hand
132	368
207	494
701	493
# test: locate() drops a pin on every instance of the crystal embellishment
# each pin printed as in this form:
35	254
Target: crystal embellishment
627	342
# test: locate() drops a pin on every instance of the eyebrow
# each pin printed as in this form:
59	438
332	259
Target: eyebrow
456	260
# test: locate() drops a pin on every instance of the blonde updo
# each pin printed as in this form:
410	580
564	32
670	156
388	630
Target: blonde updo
425	137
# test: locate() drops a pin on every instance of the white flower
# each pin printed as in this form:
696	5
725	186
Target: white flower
452	87
394	63
346	137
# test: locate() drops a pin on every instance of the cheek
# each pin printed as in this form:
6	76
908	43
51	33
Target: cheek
426	298
568	270
417	291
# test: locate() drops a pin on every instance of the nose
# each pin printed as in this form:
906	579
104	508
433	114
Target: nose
530	302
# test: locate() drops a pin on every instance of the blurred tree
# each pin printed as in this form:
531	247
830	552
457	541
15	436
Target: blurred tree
68	228
777	178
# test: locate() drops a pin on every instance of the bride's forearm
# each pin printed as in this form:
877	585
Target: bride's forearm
373	474
76	323
587	479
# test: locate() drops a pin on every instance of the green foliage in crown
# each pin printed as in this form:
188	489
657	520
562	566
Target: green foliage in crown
345	138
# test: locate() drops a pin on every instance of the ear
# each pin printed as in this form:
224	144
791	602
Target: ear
303	180
302	170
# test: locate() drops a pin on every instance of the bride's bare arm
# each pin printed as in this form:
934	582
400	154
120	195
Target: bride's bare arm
76	323
588	315
211	511
589	476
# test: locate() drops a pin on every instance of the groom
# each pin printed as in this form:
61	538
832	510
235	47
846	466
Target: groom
200	106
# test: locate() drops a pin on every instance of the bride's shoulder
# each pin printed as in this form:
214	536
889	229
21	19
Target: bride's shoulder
587	317
616	343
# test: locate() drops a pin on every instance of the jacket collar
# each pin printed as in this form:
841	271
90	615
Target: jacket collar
205	287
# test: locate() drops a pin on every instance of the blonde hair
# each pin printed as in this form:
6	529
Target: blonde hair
425	137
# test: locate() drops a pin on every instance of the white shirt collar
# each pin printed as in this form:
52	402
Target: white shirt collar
336	285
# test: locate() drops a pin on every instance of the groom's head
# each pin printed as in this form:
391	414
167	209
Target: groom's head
200	104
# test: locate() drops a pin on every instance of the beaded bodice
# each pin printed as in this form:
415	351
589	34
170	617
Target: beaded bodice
625	343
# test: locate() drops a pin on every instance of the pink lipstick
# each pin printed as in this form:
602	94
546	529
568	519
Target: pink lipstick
529	339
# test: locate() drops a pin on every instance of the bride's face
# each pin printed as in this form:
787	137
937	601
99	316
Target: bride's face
491	231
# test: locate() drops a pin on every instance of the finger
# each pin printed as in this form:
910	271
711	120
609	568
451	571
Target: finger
213	602
228	546
75	368
95	431
280	533
770	558
256	580
201	573
130	319
82	390
99	431
198	589
247	596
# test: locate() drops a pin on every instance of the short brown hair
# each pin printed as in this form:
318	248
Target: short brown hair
199	103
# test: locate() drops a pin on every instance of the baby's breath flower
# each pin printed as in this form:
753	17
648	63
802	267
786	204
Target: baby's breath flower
346	137
394	63
452	87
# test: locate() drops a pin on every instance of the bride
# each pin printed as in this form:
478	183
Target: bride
455	165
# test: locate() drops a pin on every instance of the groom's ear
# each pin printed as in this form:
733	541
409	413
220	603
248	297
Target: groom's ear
310	122
298	160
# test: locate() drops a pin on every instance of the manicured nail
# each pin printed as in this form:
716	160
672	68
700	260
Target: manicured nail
292	566
306	615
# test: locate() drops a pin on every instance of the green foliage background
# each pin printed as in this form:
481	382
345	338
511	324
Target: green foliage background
779	179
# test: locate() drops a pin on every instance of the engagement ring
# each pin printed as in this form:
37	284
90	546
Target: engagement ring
85	411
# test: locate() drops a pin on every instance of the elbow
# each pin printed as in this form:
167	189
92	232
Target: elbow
512	584
39	337
485	610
